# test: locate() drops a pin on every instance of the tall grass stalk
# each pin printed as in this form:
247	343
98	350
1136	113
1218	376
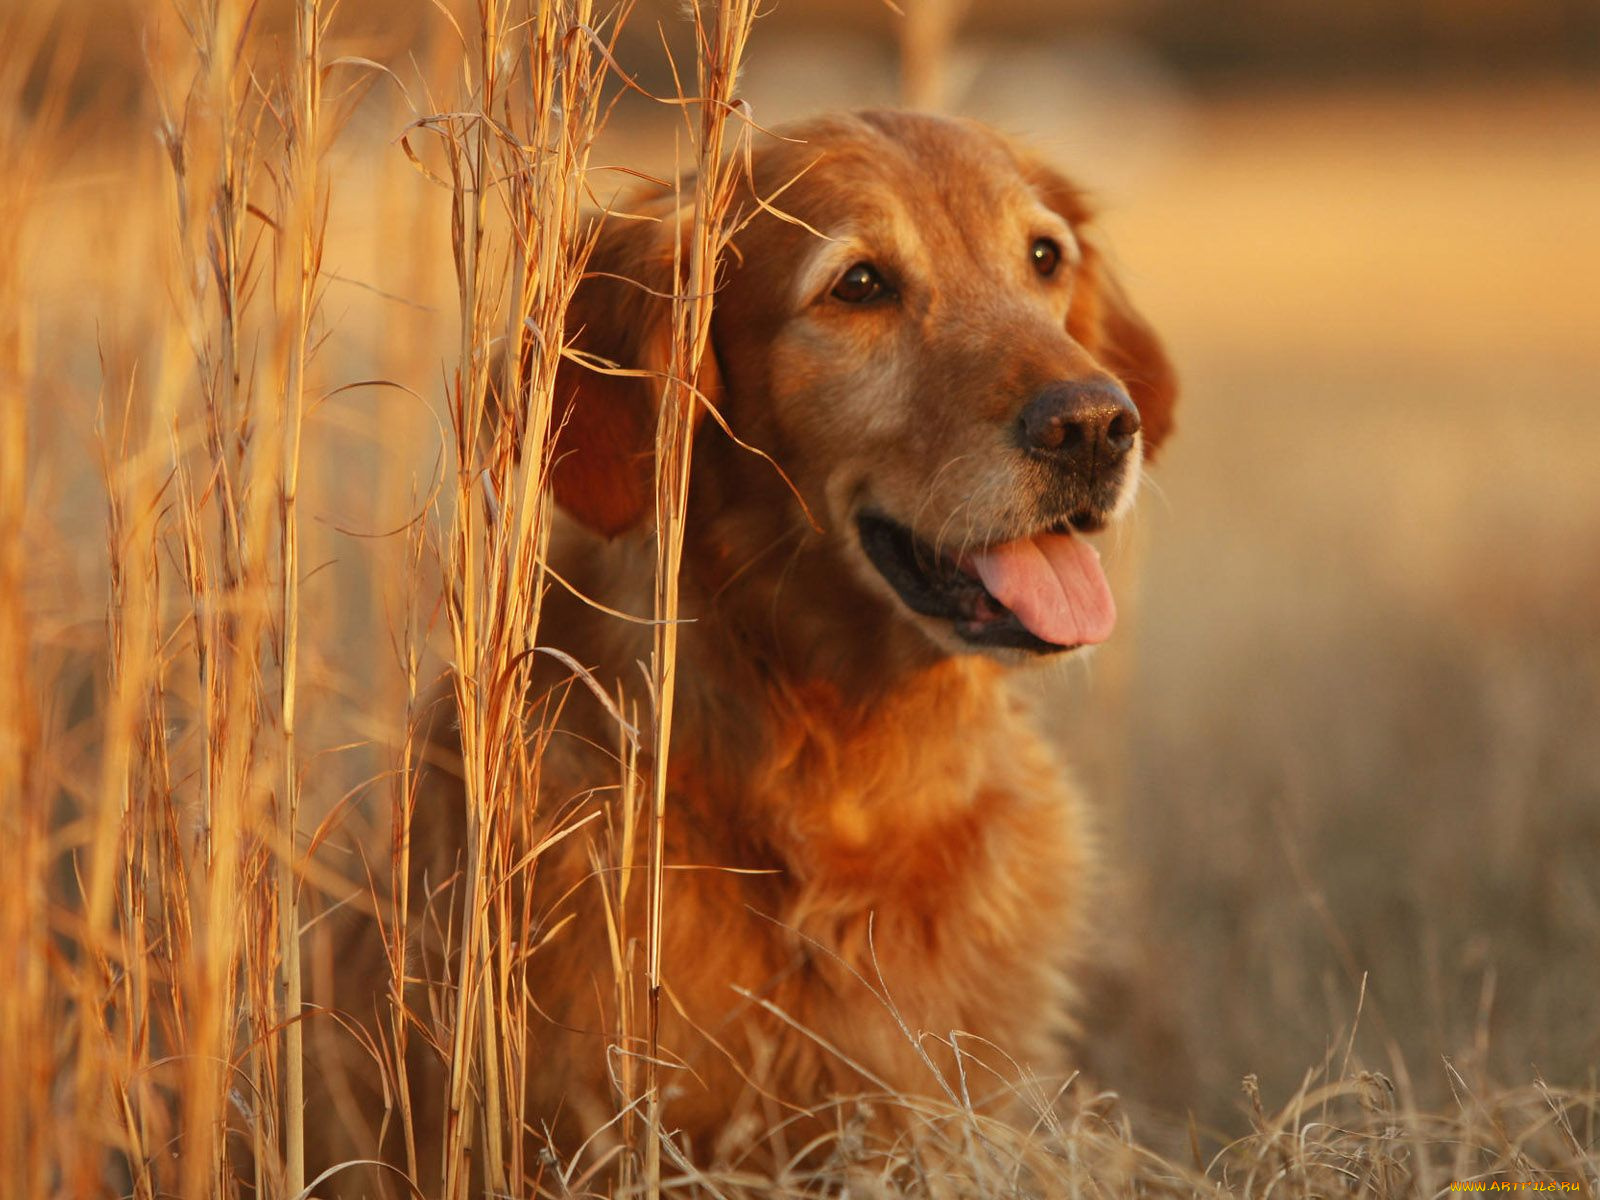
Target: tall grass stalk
299	264
719	43
192	880
211	131
516	153
927	34
31	1010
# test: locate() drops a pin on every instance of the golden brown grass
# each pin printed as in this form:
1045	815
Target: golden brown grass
214	660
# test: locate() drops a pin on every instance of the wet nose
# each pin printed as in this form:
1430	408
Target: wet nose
1088	421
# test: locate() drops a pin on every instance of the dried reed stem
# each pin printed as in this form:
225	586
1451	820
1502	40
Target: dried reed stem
299	266
29	1010
719	51
222	535
523	140
926	35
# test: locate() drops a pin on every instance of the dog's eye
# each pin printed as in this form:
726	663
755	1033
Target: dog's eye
859	284
1046	256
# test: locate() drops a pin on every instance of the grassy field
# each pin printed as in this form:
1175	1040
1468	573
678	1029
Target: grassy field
1358	739
1346	753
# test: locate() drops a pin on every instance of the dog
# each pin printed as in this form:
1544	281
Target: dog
877	864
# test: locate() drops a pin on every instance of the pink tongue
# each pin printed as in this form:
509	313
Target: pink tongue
1054	584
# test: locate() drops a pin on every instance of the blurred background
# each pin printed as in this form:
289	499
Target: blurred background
1346	749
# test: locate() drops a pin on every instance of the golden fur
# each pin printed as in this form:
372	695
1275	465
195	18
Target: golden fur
906	854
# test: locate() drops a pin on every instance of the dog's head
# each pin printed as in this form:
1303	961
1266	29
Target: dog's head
948	374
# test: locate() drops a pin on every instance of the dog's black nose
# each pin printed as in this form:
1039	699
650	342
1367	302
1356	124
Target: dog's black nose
1092	421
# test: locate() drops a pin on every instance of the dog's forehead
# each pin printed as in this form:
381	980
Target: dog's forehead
888	168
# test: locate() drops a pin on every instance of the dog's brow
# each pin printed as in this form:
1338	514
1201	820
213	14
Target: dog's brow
842	246
1071	247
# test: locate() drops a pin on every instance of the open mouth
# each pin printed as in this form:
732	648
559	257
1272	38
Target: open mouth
1042	593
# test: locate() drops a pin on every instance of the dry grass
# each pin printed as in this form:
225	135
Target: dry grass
249	515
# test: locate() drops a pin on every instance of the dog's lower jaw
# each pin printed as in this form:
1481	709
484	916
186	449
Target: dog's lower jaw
1056	601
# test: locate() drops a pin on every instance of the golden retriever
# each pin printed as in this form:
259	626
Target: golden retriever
874	843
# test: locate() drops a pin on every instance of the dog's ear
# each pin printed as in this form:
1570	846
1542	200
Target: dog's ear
1105	323
620	318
